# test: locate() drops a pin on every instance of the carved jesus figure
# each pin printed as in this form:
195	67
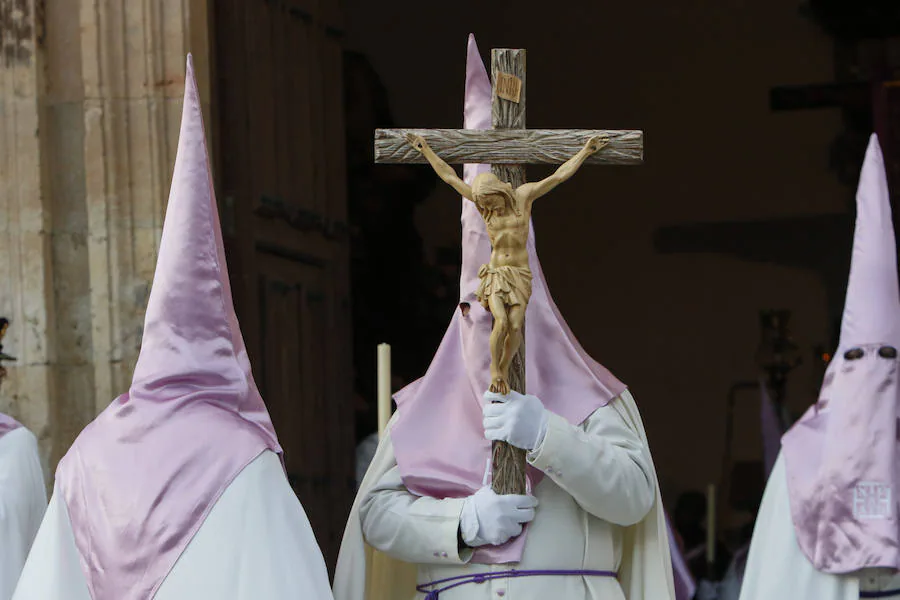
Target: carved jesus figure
505	286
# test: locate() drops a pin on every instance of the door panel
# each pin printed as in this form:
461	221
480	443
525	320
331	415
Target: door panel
282	188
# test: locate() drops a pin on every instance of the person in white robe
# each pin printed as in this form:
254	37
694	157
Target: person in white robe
592	524
177	490
23	498
827	527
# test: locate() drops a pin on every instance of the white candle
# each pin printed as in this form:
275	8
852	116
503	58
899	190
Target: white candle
711	524
384	387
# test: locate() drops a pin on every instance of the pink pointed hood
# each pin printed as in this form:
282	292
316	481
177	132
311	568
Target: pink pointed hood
873	295
7	424
841	457
438	436
157	459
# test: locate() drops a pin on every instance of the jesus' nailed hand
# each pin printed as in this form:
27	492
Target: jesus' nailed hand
505	281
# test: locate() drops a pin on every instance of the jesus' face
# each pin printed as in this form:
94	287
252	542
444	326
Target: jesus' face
492	202
491	194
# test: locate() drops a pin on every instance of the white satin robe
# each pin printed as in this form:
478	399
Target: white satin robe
23	500
255	543
777	569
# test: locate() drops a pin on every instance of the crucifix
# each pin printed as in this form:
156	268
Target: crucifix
504	201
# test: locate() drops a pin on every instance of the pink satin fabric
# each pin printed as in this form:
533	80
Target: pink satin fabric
139	480
438	436
841	457
7	424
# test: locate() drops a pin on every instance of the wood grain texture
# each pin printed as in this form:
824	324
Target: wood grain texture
506	114
509	146
509	464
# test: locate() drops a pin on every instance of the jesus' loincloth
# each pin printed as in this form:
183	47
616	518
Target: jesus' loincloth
511	284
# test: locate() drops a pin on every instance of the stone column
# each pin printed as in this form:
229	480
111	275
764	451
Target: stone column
90	106
26	277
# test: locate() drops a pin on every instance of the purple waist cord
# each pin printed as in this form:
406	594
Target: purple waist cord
451	582
884	594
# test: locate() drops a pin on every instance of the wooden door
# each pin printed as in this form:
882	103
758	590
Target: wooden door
281	182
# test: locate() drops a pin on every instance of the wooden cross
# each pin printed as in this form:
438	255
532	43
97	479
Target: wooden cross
507	148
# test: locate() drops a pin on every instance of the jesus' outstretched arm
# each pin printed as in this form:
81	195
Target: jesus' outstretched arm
532	191
440	167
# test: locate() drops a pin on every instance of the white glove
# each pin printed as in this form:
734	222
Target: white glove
518	419
490	519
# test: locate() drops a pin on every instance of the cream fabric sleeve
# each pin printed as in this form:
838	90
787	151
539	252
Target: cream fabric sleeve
602	463
646	569
411	528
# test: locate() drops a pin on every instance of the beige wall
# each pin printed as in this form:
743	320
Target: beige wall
89	114
695	76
